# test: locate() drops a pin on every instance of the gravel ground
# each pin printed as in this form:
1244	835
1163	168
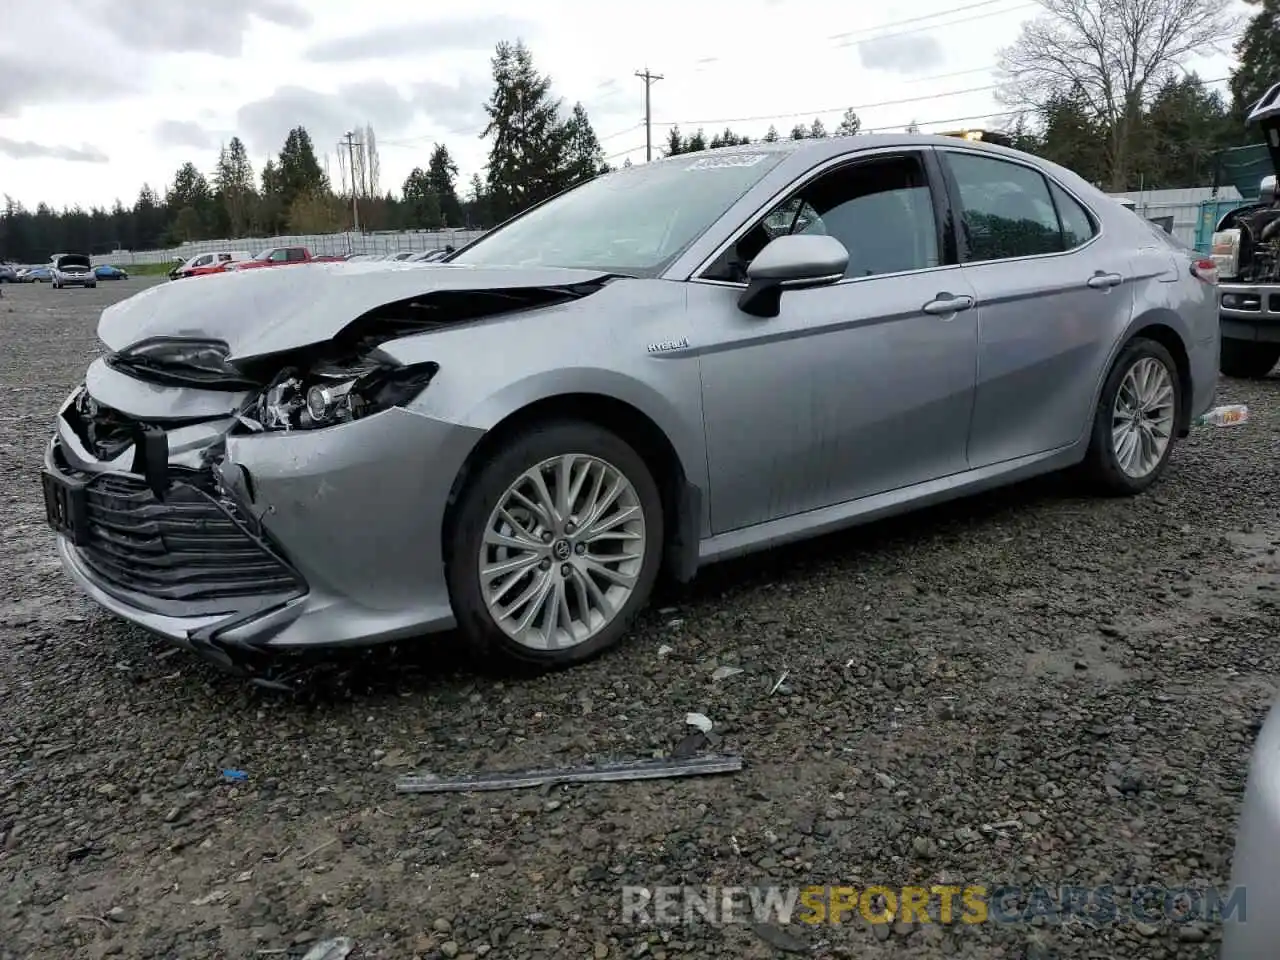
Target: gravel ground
1092	672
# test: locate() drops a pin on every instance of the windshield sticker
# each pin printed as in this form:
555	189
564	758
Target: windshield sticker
732	160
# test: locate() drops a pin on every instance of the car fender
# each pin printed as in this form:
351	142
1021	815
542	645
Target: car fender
1155	316
666	413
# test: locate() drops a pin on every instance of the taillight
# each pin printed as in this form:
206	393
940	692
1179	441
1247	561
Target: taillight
1205	269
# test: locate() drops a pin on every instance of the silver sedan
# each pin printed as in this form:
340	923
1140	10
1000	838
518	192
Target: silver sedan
669	365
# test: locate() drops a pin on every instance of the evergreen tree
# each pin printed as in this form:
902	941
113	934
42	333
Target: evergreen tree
584	157
298	170
772	135
675	145
478	211
529	140
850	124
423	201
1071	135
441	180
233	183
817	130
799	132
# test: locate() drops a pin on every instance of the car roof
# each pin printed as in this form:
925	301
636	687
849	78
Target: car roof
817	149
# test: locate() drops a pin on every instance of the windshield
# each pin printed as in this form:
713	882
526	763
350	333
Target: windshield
634	221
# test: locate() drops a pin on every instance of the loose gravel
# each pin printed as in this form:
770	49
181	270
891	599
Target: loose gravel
1090	672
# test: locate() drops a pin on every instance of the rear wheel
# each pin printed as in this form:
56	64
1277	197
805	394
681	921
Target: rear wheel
1248	360
1135	421
556	546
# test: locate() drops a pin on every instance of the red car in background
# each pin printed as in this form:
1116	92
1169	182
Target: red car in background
280	257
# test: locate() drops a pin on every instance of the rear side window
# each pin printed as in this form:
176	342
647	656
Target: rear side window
1077	225
1006	209
296	254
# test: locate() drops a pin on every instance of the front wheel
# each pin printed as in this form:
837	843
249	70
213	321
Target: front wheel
1135	420
1248	360
556	546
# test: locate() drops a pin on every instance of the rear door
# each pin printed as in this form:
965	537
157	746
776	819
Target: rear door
1050	297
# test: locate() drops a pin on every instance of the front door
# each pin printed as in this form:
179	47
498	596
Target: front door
1049	302
856	388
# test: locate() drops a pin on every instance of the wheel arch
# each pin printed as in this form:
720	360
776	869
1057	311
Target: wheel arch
1167	329
682	497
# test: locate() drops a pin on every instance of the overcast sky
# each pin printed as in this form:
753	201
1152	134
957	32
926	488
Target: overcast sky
98	96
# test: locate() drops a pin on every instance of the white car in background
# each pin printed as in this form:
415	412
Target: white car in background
72	270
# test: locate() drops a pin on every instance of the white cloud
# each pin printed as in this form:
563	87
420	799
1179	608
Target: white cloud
150	86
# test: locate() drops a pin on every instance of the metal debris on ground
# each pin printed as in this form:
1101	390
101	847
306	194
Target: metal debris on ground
699	720
335	949
620	771
777	686
724	673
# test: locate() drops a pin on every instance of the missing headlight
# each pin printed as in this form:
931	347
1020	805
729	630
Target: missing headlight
332	393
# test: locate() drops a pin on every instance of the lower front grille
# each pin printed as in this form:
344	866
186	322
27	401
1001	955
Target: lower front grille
189	550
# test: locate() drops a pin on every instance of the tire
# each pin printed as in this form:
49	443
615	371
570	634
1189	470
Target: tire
1102	465
490	644
1248	360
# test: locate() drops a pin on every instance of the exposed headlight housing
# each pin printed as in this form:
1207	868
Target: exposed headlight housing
181	362
332	393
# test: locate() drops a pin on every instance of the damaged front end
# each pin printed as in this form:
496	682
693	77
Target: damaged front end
287	500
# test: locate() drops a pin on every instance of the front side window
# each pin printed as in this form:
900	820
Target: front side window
881	209
279	256
203	261
634	221
1006	209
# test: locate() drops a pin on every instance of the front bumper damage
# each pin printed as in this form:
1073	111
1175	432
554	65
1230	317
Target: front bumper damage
236	546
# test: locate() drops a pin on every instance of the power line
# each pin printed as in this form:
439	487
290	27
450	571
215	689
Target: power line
854	107
897	23
649	80
618	133
936	26
814	113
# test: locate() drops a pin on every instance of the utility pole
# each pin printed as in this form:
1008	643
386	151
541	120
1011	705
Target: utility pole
649	80
351	143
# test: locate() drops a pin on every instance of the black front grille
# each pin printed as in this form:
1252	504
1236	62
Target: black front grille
189	549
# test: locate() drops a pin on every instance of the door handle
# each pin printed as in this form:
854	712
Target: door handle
1105	281
946	303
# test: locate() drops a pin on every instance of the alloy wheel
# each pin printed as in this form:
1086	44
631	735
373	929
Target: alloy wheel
1142	417
562	552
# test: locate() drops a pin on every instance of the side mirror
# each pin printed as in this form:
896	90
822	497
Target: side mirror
791	262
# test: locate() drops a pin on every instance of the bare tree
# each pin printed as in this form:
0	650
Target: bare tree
1112	54
373	165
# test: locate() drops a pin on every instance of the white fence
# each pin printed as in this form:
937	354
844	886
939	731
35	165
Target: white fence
320	244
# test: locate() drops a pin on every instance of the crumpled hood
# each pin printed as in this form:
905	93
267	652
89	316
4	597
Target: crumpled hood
258	312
